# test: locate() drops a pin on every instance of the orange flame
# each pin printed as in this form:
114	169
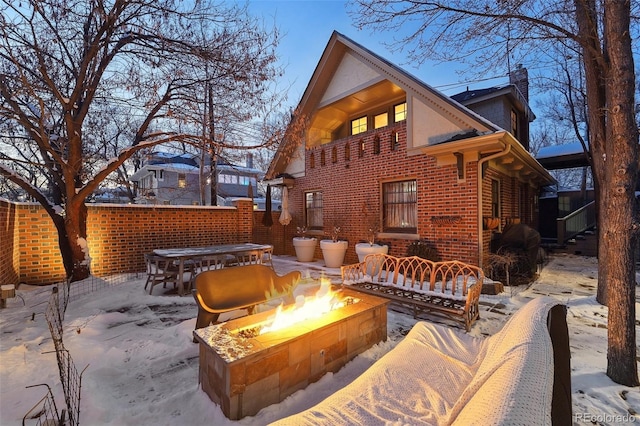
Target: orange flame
305	308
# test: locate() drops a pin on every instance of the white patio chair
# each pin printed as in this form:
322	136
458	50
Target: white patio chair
160	270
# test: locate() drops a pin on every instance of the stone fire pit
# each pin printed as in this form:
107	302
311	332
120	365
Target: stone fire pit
244	372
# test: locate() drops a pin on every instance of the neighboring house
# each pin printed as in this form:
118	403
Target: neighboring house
565	212
175	179
382	150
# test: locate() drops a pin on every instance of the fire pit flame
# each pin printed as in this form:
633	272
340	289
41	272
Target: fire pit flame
306	308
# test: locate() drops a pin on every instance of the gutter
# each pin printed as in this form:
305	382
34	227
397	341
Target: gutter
481	162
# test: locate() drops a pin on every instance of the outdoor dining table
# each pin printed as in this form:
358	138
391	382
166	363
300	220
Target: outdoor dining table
187	253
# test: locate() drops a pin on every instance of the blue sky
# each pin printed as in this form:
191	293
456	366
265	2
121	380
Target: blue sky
306	27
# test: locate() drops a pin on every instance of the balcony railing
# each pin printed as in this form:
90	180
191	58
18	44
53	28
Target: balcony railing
576	222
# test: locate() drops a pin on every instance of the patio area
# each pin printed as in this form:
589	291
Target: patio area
142	367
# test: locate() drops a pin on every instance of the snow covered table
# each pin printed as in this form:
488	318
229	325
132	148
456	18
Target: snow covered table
442	376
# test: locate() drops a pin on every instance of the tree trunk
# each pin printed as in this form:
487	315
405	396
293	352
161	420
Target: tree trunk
72	234
613	144
620	233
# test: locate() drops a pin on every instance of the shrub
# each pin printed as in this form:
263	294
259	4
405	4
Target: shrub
423	249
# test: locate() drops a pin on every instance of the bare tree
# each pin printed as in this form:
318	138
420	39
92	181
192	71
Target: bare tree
564	111
483	31
69	68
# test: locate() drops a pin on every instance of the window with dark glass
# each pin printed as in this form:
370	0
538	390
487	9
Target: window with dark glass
313	210
347	151
376	144
400	206
361	148
495	198
334	154
312	161
323	158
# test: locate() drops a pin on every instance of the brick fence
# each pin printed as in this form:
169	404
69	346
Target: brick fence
119	235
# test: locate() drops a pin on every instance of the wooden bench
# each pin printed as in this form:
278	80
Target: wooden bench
242	287
450	289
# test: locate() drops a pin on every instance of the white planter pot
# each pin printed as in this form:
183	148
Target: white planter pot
333	252
363	249
305	248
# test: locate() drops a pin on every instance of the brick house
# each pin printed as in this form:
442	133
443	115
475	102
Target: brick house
382	150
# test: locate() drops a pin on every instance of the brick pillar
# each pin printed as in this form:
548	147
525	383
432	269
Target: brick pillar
245	219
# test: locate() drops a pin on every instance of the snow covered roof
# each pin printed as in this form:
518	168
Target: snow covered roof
563	156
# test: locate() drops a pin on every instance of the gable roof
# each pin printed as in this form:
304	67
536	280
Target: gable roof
338	46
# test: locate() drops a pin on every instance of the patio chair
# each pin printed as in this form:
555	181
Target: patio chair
207	263
267	257
160	270
251	257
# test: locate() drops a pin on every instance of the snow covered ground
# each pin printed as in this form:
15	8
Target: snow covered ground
142	367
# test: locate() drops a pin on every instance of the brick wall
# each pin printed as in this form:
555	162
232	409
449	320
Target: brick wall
446	206
117	236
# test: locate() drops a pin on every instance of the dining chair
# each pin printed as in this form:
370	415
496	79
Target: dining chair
267	257
209	262
160	270
250	257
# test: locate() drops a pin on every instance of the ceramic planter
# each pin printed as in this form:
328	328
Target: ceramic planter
333	252
363	249
305	248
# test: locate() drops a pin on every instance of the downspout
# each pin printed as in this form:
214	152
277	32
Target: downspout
481	162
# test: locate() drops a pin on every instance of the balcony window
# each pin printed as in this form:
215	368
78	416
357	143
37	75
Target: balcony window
400	206
381	120
400	112
359	125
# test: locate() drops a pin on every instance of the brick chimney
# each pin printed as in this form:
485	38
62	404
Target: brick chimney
520	78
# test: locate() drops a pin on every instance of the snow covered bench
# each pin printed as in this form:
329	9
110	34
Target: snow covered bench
442	376
451	288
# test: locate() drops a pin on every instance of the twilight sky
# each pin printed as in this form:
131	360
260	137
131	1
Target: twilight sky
306	26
